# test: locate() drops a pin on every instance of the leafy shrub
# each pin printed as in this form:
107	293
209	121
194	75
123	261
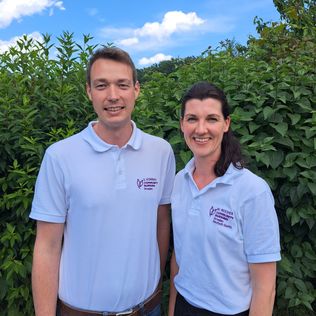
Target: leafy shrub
271	89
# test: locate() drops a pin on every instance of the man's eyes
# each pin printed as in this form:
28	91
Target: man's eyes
100	85
123	85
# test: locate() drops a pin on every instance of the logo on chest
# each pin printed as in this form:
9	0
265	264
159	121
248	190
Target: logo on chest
147	184
221	217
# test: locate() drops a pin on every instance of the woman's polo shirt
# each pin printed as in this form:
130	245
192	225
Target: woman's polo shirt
218	231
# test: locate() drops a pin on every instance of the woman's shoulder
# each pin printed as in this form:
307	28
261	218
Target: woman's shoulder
248	181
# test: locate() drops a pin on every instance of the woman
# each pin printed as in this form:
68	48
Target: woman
226	237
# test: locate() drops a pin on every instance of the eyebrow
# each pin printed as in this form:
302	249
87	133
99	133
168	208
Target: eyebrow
212	114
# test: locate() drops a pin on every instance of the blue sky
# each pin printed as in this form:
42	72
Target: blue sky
150	31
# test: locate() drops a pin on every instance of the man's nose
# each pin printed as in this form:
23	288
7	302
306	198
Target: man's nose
112	93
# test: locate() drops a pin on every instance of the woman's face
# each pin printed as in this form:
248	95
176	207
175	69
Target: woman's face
203	126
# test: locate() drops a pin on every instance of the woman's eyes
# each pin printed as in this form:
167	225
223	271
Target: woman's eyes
209	119
212	119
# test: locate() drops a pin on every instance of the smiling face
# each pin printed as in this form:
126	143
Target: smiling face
203	126
113	95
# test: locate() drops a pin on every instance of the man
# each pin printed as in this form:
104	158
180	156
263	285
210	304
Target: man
102	206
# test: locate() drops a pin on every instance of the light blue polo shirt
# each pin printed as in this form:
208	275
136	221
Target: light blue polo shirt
217	232
108	198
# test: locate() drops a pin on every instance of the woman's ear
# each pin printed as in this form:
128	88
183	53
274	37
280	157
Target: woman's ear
181	124
227	124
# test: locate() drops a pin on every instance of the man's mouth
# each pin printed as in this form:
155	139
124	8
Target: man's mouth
114	108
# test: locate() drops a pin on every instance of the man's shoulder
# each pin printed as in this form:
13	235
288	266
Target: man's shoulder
66	145
153	140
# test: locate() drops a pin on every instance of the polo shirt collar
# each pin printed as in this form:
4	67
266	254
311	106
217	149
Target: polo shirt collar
99	145
227	178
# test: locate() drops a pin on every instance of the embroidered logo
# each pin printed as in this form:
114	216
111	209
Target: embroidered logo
140	183
221	216
147	183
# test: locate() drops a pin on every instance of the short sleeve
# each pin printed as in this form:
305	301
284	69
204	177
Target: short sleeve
168	178
261	229
49	202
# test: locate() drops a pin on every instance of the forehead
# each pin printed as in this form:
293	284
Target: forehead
205	106
110	70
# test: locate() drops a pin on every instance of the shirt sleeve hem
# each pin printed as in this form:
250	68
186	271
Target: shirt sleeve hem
165	201
268	257
47	217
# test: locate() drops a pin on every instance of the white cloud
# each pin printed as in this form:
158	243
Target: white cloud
154	59
154	34
14	10
173	21
129	41
5	45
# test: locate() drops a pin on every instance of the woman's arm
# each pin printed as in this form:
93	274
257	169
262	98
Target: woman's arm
263	277
173	292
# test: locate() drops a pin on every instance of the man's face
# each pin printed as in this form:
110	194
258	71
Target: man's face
112	93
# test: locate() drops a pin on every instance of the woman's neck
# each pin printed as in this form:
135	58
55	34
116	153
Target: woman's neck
204	172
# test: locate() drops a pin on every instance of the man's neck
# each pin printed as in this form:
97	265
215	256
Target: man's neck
119	136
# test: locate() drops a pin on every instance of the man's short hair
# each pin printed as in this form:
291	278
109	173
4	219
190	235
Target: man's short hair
112	53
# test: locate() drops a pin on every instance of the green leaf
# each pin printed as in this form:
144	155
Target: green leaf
276	158
253	127
294	118
285	141
309	175
294	302
291	172
300	285
312	187
290	292
281	128
176	139
267	112
311	161
305	104
295	219
296	251
302	163
246	138
185	156
286	265
301	190
308	305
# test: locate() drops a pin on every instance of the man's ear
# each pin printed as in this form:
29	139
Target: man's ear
88	90
137	89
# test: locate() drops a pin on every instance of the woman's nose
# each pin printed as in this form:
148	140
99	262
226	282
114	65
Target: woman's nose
201	128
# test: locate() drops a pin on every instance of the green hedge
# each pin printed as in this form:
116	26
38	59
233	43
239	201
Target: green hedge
271	89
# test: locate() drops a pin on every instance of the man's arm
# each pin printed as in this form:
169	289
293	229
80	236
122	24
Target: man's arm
173	292
45	269
263	277
163	234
